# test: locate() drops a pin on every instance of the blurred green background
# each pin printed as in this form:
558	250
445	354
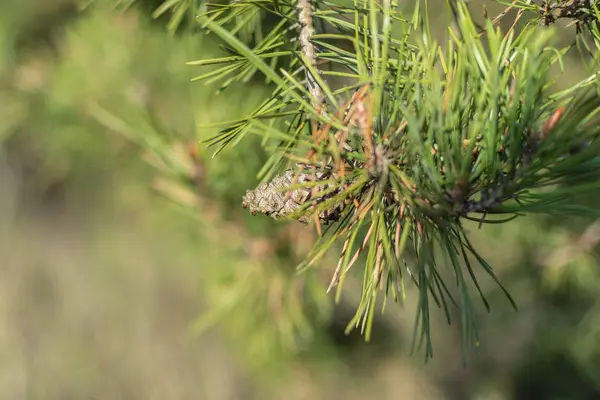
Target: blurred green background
129	271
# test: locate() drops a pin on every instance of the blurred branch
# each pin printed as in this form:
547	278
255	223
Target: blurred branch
584	243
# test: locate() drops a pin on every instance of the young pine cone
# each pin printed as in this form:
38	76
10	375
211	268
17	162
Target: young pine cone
272	198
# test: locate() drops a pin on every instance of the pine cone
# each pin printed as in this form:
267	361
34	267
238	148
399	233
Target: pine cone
272	198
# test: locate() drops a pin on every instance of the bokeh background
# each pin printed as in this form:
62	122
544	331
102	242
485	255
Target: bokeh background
129	271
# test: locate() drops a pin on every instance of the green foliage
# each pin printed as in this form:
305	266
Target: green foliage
435	134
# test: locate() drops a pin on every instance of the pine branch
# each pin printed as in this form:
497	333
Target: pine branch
430	137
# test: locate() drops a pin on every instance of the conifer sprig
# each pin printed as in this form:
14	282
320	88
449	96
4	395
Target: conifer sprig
429	138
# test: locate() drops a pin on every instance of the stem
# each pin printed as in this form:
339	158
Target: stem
306	31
